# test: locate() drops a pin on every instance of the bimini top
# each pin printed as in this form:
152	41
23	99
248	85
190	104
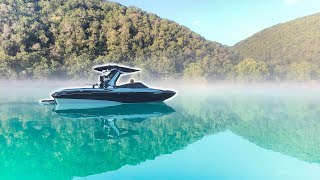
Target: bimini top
122	69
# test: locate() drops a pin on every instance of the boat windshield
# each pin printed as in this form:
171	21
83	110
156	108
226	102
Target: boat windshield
109	79
109	76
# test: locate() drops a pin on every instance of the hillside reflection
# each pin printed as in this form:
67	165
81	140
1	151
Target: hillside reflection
68	143
287	125
61	144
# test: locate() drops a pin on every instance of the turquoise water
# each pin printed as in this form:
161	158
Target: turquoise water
200	134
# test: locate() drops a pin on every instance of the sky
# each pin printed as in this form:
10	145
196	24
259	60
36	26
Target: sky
227	21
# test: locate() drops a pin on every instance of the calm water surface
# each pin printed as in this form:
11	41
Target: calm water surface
199	134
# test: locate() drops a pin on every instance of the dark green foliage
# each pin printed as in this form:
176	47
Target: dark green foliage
250	70
290	49
66	38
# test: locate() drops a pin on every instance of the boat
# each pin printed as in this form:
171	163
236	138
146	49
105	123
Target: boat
108	92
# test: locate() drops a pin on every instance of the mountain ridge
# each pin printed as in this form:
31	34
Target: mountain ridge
291	49
41	39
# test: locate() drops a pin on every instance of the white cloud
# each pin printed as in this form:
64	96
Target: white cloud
292	2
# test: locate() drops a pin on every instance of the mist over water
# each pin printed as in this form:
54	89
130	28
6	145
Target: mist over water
255	131
34	90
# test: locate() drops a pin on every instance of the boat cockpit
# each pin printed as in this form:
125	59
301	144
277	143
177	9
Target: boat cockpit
110	75
133	85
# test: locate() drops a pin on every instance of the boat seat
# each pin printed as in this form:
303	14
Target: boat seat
133	85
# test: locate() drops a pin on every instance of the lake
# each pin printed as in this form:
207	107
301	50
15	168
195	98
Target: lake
225	132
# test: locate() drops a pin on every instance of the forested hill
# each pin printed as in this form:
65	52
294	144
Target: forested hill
291	50
65	38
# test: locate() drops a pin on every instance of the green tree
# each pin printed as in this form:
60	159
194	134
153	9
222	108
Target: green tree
79	66
6	71
194	71
250	70
301	71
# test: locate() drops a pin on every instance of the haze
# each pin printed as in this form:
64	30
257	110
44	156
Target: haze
33	91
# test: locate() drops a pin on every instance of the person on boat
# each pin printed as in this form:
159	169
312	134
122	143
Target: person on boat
131	81
101	85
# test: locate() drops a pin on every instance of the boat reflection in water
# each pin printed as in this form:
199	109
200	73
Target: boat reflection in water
108	116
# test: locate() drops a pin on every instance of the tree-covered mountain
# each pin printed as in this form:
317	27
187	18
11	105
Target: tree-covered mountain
290	50
65	38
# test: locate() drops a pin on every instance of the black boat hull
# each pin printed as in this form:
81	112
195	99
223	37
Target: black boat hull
114	96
